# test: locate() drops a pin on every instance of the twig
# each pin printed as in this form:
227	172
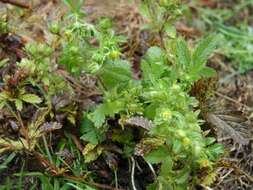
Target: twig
232	100
152	169
225	164
16	3
132	173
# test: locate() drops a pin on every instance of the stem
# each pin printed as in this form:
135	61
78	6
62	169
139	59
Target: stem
132	173
152	169
116	179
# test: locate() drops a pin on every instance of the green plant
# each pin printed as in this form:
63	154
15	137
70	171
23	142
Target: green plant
32	74
236	33
86	47
238	46
153	118
161	15
161	96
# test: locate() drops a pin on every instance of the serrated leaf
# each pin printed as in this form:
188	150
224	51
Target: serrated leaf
90	133
2	104
4	95
50	126
153	66
157	156
98	116
166	166
183	53
104	110
140	122
91	152
113	74
31	98
3	62
204	50
18	104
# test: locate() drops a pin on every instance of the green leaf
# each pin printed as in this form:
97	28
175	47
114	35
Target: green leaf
154	54
113	74
2	104
90	133
153	65
3	62
170	30
157	156
31	98
204	50
208	72
18	104
183	175
166	166
183	53
105	110
144	10
91	152
98	116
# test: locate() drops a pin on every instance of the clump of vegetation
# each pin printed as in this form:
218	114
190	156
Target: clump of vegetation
153	119
235	28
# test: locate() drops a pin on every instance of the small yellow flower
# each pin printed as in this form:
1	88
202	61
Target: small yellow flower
166	115
186	141
114	54
205	163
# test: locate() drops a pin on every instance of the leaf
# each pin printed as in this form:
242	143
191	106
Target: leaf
50	126
210	178
113	74
208	72
183	53
140	122
224	128
154	54
153	65
2	104
144	10
166	166
204	50
3	62
107	109
98	116
91	152
31	98
183	175
9	144
157	156
170	30
90	133
18	104
5	95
